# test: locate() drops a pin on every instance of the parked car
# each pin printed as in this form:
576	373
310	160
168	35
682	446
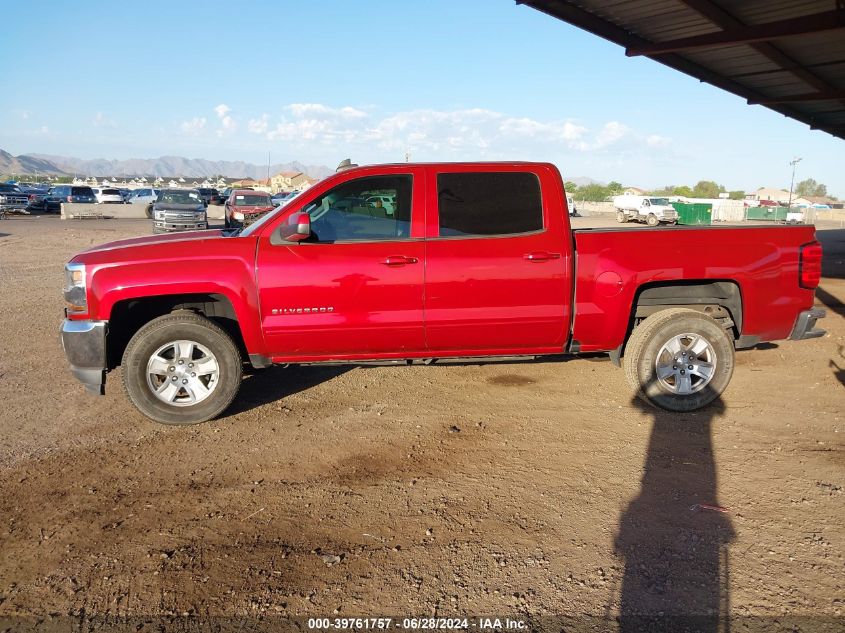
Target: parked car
208	194
179	210
228	192
107	195
283	197
218	198
646	209
768	203
144	196
245	206
388	203
68	194
451	275
13	200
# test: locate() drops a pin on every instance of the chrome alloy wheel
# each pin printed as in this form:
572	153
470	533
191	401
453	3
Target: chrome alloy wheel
685	364
182	373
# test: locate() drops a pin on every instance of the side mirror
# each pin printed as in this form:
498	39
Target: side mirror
303	229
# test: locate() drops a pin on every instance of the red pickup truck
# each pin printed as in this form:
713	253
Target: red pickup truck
468	260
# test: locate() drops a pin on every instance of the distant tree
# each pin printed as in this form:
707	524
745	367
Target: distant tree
614	188
707	189
683	190
592	193
810	187
570	187
737	195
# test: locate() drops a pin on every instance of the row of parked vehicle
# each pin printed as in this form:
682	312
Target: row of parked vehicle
186	209
24	198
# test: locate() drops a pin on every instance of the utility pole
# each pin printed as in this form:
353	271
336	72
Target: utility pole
792	182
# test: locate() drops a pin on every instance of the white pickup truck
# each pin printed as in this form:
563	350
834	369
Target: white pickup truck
648	209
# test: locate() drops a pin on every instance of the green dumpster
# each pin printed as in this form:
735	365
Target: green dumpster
694	214
775	214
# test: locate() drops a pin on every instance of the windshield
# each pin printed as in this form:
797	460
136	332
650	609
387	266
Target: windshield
253	201
660	201
179	197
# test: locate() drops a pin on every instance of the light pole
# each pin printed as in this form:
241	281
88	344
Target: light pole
792	182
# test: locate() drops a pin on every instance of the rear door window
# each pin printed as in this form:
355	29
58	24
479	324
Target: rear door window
489	203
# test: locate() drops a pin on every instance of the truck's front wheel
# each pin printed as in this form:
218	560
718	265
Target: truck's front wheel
679	359
181	369
652	220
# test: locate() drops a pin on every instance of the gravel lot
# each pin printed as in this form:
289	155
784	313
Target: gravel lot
526	490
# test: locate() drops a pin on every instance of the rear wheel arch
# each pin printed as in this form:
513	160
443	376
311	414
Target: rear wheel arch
703	295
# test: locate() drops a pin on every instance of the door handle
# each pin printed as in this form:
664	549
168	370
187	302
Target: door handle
541	256
399	260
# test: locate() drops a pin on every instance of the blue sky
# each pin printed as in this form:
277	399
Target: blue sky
322	80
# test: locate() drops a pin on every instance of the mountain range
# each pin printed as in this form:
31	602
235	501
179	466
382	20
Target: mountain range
164	166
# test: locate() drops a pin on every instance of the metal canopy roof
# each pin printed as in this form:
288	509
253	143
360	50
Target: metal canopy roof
787	55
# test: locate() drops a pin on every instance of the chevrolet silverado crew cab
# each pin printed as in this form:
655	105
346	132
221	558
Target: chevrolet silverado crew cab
471	260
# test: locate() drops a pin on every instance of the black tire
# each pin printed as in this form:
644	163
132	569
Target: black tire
652	220
203	333
642	353
620	217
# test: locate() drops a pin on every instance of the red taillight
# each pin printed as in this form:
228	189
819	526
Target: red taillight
810	265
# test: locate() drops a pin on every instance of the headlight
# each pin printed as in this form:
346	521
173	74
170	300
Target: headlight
238	215
75	293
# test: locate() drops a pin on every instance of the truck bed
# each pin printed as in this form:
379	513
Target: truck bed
615	265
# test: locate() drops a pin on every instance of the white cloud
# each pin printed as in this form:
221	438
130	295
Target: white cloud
655	140
229	124
44	129
194	127
316	130
612	132
259	125
318	110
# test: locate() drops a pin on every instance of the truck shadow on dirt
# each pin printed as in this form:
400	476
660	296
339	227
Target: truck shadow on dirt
839	372
276	383
673	536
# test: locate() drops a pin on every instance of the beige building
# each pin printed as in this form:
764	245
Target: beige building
769	193
290	181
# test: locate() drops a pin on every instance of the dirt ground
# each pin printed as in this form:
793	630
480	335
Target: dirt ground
522	490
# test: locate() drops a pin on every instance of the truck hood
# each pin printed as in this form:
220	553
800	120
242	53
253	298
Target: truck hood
154	240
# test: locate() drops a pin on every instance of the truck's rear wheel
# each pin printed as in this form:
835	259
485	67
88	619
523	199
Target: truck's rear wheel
181	369
620	217
679	359
652	220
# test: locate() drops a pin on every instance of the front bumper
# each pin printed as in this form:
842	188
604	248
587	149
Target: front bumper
178	225
84	343
805	324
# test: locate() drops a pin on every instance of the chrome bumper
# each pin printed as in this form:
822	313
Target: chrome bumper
805	325
84	343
